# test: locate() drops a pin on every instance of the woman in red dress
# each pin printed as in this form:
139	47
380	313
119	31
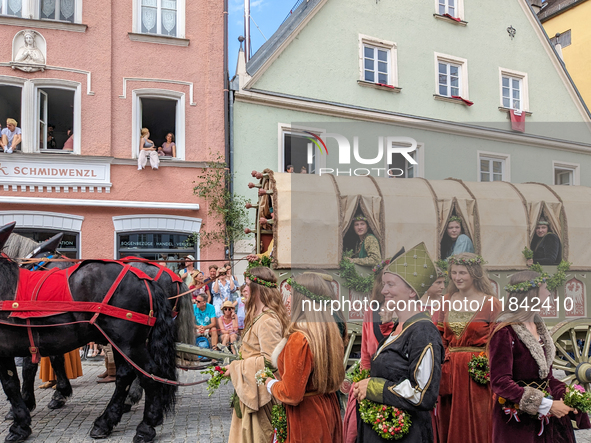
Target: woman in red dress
466	322
521	354
310	363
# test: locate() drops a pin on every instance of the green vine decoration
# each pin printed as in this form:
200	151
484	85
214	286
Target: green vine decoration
527	253
263	261
556	280
352	279
227	212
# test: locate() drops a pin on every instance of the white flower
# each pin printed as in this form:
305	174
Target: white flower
431	276
415	274
425	266
423	285
414	256
405	264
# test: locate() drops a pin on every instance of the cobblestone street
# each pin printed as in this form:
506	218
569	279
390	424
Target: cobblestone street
198	418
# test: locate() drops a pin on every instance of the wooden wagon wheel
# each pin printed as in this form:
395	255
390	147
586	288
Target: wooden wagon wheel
573	340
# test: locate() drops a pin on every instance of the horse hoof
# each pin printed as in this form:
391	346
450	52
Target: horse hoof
13	437
140	438
98	433
9	416
56	404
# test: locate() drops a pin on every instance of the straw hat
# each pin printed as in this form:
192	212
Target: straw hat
227	304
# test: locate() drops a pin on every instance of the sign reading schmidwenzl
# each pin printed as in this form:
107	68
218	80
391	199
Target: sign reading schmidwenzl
19	170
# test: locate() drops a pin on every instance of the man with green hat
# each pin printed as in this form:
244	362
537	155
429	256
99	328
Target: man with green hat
406	369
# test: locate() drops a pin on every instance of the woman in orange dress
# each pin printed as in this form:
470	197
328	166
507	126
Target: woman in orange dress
464	412
310	363
72	364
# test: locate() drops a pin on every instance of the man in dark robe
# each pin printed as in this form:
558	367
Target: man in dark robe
545	246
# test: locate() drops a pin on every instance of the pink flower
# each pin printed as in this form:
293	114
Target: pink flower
580	388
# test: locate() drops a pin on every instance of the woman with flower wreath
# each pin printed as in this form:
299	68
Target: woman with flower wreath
265	323
310	363
466	321
406	368
377	325
454	240
521	354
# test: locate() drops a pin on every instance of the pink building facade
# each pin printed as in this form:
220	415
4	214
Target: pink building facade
104	70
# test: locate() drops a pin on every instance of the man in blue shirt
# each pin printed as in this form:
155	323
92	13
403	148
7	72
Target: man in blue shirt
205	319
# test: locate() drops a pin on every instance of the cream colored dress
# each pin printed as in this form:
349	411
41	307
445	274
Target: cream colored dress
258	344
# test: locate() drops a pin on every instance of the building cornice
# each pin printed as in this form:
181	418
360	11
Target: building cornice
340	110
65	202
42	24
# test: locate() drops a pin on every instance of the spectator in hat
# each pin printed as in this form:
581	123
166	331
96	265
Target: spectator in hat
228	324
185	273
545	245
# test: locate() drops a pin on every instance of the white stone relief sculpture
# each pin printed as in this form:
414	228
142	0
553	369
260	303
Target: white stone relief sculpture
28	51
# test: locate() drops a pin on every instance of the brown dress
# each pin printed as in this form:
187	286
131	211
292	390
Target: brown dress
258	344
465	408
72	364
311	418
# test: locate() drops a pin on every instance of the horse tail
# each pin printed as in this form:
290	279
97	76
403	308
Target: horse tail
161	347
185	321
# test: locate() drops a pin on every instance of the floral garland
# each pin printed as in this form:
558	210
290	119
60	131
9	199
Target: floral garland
388	422
306	292
264	261
352	279
525	286
513	411
259	281
555	280
576	397
379	267
441	268
262	375
360	218
279	423
478	368
527	253
478	260
356	374
454	218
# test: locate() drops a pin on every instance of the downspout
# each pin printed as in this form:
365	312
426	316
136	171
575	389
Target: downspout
228	157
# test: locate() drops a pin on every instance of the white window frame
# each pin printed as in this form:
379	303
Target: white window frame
522	76
573	167
35	6
24	9
390	47
419	156
459	8
136	118
180	19
505	158
463	65
6	80
34	123
320	160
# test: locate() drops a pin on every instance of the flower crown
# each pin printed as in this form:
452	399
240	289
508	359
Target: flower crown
525	286
478	260
260	281
455	218
360	218
306	292
379	267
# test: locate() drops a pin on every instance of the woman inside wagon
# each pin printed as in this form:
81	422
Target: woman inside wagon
529	403
406	369
455	241
367	250
545	246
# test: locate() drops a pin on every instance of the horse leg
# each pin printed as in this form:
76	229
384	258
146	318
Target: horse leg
21	427
134	396
63	388
103	425
28	389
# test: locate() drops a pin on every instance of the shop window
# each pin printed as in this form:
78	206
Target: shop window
69	246
55	117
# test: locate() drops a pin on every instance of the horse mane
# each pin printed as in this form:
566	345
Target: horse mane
18	246
9	274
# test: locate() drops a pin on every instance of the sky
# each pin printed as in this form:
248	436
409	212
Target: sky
268	15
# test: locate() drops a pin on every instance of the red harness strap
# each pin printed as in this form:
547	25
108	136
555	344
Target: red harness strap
35	357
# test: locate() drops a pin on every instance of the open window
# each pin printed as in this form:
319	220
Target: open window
159	116
55	117
402	168
10	104
301	149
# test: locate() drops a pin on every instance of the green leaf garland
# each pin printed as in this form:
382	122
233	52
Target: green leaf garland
352	279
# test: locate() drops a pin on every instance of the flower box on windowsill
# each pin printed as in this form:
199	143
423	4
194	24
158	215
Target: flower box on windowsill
508	110
379	86
445	18
445	98
157	38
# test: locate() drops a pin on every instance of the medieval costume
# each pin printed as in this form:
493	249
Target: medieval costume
464	409
251	419
72	364
311	417
372	333
367	252
520	367
406	369
462	244
547	249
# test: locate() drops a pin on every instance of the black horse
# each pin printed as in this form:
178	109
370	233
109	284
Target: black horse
151	348
181	310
